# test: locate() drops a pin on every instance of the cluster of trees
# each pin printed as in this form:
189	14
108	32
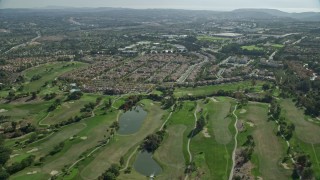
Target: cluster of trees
49	96
35	77
286	129
88	107
248	148
18	166
54	106
115	125
152	142
130	102
21	131
4	118
236	49
302	168
111	173
74	96
200	124
4	157
56	149
305	91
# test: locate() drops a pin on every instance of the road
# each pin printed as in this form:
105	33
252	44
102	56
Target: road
24	44
185	75
189	140
235	144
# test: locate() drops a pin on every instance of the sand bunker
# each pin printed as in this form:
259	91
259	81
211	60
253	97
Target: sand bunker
214	99
3	110
206	133
14	155
84	137
32	172
250	124
33	150
54	172
242	111
285	165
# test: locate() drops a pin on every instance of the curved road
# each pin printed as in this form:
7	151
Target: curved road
189	140
236	143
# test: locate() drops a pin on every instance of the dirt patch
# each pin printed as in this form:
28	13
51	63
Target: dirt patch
3	110
242	111
242	169
214	99
206	133
240	126
33	150
285	166
32	172
54	172
84	137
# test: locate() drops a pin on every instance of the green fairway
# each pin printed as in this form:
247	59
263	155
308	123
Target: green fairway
170	154
210	38
24	176
277	46
218	112
26	111
86	139
252	48
306	134
207	90
121	144
68	109
212	148
268	149
47	72
305	130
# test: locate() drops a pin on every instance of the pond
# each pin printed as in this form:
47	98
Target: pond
146	165
131	121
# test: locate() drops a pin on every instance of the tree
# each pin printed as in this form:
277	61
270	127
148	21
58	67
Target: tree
14	125
3	174
4	154
109	176
33	95
265	87
121	161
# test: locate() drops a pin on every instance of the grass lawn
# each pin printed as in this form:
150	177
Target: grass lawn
252	48
183	115
207	90
24	176
305	130
30	112
121	144
170	154
269	150
306	134
210	38
212	154
277	46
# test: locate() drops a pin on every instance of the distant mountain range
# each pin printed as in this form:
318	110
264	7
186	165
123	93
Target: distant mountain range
235	14
307	16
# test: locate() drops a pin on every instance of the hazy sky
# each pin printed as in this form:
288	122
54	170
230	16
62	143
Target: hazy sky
287	5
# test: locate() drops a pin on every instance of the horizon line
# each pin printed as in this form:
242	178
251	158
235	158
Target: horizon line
287	10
